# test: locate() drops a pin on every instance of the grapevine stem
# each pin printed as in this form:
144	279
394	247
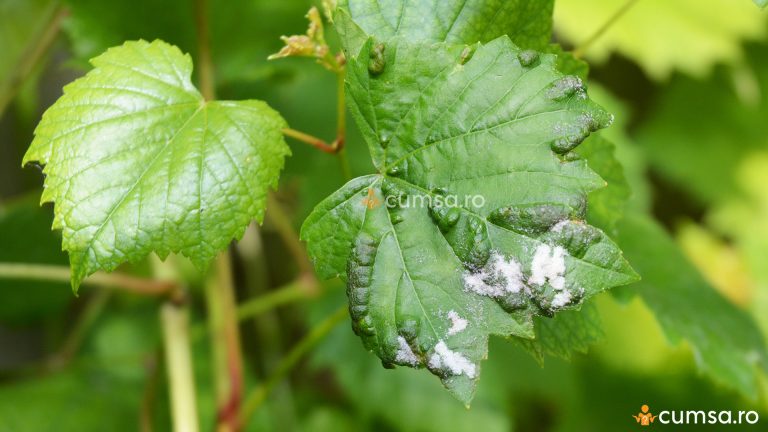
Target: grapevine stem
302	288
312	140
260	393
205	62
582	49
337	147
53	273
178	358
225	338
228	357
150	392
341	124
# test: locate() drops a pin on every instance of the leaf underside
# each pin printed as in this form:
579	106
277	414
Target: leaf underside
429	282
137	161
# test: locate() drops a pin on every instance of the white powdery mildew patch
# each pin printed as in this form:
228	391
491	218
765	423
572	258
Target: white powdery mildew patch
458	323
548	266
404	353
558	227
505	272
561	299
451	360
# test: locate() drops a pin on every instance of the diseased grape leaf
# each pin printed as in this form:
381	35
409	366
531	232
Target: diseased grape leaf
406	400
527	23
711	31
727	344
136	161
441	121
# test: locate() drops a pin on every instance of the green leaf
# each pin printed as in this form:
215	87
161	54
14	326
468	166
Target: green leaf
567	333
651	32
605	206
404	399
627	152
727	344
528	24
136	161
444	121
761	3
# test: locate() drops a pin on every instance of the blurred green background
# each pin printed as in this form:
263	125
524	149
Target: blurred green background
688	82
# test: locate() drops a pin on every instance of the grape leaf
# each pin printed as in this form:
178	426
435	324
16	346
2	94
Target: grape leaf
727	344
136	161
565	334
406	400
527	23
442	121
710	30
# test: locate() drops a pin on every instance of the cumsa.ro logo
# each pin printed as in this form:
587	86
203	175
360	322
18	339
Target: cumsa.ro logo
644	417
370	200
693	417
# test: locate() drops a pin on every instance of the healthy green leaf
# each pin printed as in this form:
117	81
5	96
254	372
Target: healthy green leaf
727	344
136	161
527	23
428	278
651	32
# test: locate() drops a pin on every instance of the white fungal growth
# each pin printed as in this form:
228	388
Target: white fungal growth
558	227
451	360
548	266
404	353
561	299
500	276
458	323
